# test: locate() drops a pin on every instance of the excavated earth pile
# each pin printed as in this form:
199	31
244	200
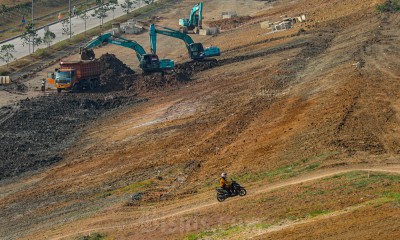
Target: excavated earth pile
35	131
230	23
182	74
42	127
186	69
14	87
116	75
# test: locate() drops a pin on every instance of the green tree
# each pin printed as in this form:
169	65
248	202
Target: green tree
65	27
82	13
3	9
127	6
6	53
112	5
101	11
30	37
48	37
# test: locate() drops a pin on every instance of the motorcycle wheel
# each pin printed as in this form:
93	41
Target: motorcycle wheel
242	192
220	198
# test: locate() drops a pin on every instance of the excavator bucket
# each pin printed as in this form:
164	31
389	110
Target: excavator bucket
87	54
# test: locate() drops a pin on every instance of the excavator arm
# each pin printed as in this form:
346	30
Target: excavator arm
148	62
167	32
196	50
88	54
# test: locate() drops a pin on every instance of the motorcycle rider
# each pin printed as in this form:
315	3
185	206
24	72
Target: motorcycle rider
225	184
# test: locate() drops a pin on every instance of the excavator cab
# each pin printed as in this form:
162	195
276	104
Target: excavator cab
150	63
196	51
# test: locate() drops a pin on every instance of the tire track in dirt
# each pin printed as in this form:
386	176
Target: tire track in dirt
375	67
288	223
393	169
288	71
268	40
7	112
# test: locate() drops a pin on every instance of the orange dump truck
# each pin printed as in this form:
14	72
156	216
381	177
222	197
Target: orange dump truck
76	75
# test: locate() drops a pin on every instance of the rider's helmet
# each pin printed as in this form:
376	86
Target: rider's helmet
223	175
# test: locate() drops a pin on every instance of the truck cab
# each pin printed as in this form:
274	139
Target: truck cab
64	79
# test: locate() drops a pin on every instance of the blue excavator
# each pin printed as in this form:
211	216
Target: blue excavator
196	50
195	20
148	62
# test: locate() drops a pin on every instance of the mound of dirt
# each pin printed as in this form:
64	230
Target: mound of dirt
34	132
34	135
116	75
185	70
146	83
14	87
229	23
181	75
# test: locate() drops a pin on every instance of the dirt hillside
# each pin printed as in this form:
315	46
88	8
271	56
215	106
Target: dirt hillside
306	118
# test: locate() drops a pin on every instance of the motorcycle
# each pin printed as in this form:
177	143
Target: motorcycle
223	194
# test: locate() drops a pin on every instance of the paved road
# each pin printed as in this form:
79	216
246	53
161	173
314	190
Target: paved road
78	26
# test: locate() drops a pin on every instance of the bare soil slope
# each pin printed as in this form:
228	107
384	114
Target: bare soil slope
321	95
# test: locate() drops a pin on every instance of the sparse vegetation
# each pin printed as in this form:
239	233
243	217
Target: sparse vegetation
20	63
288	171
226	233
389	6
94	236
395	196
317	212
41	53
4	71
132	188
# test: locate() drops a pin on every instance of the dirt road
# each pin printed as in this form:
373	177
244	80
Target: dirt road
177	211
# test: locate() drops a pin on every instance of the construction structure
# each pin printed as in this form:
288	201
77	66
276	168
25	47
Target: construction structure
230	14
209	31
5	80
284	24
132	27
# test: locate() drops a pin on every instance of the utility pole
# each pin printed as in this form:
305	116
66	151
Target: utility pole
33	28
102	19
70	24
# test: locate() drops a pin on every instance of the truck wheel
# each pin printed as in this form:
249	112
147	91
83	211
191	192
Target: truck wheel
59	90
75	88
91	85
